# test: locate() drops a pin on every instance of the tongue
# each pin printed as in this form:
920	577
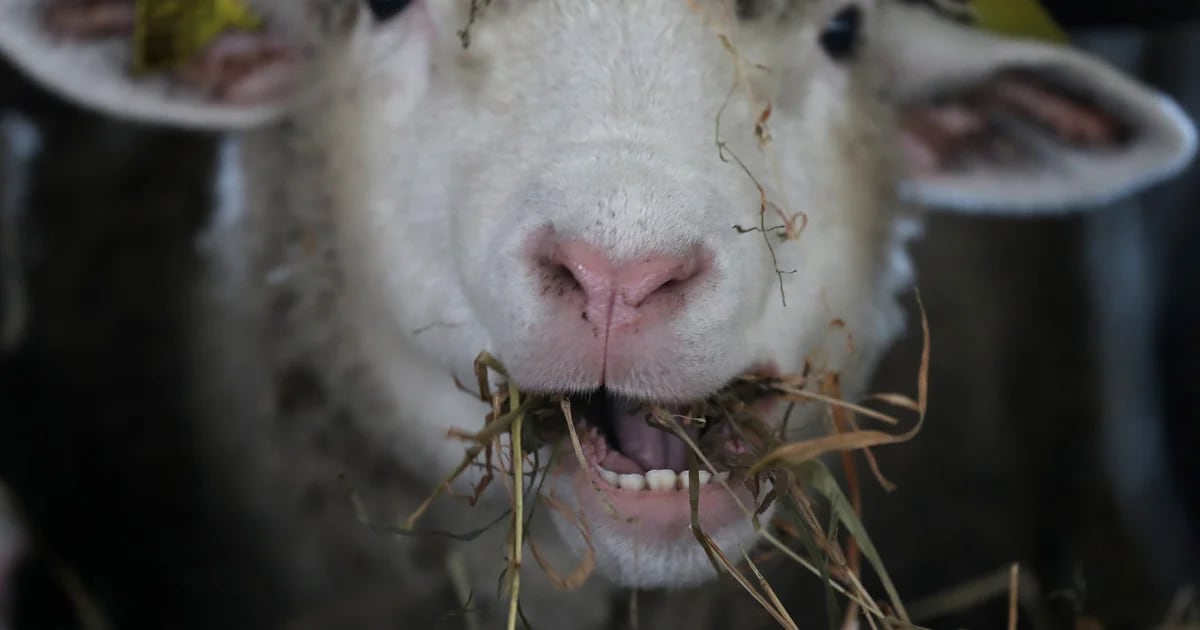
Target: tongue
651	448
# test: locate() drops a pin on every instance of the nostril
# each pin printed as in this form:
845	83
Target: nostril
558	279
659	277
593	285
559	284
577	268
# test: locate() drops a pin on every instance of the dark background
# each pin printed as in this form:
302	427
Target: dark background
1029	452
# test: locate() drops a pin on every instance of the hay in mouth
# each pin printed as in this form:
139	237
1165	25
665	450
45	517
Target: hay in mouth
639	445
612	436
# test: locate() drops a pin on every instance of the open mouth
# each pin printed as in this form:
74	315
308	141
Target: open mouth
635	462
644	490
631	447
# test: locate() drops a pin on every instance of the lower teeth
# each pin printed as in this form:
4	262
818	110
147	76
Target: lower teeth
658	480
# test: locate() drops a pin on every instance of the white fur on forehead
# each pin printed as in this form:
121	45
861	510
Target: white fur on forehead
531	51
922	54
481	15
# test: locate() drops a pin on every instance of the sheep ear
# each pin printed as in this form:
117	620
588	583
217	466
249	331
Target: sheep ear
86	57
990	124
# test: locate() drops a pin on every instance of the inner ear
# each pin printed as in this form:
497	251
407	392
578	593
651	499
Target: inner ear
192	64
1015	118
226	53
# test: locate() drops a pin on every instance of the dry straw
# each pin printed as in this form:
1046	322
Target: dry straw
533	423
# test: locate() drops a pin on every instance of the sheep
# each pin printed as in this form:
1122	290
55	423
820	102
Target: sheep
627	202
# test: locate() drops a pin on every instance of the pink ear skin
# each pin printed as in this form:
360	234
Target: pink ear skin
931	135
1077	123
85	19
238	68
245	68
978	124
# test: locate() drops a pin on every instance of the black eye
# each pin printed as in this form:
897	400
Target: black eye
840	35
387	9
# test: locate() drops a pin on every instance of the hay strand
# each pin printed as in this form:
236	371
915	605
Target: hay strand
518	533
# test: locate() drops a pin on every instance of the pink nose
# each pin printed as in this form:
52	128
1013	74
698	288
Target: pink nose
611	295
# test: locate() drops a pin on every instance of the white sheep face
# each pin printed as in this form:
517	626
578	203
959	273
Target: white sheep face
579	224
559	193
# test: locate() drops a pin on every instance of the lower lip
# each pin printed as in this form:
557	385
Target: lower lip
662	516
654	516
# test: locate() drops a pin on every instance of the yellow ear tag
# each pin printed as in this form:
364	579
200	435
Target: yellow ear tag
167	33
1017	18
